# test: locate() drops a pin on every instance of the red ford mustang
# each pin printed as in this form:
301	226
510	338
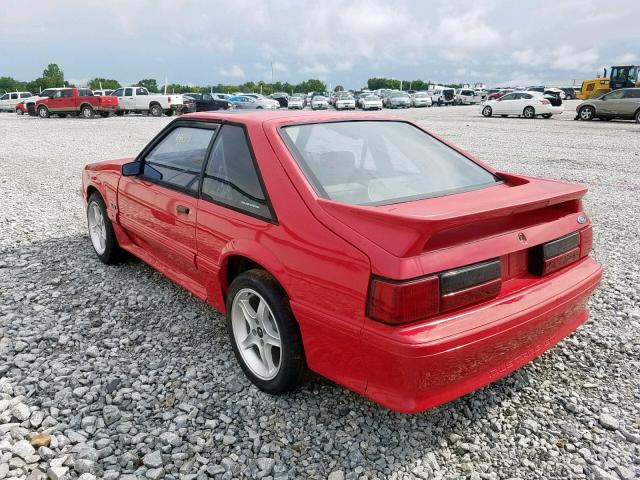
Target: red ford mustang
361	247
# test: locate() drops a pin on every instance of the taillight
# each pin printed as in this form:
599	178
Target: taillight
398	302
551	256
545	102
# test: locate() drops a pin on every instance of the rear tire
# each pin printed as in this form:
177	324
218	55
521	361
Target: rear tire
529	112
487	111
155	110
101	233
587	113
87	112
43	112
264	333
19	112
638	116
169	112
546	115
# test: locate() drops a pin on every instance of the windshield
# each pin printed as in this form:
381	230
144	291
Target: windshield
399	95
380	162
420	95
371	97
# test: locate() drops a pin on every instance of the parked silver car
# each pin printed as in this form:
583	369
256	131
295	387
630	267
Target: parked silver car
397	99
246	102
623	103
421	99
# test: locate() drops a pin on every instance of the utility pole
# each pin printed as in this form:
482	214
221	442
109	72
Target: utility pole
400	84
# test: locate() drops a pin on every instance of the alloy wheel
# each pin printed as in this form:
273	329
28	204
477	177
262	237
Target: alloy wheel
97	228
256	334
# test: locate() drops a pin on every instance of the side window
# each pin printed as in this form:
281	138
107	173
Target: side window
67	93
128	92
207	98
616	95
177	160
14	96
141	91
508	96
231	177
25	95
633	93
590	87
5	97
118	93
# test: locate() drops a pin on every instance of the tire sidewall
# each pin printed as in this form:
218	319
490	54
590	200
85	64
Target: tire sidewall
529	115
487	111
291	354
43	112
156	110
111	244
87	112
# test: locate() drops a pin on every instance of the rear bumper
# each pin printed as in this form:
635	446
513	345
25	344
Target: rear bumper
422	365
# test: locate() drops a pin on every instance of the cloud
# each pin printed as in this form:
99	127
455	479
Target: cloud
233	71
340	41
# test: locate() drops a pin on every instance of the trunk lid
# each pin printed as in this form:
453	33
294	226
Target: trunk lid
429	225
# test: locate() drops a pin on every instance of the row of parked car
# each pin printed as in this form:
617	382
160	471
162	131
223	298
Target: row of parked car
90	103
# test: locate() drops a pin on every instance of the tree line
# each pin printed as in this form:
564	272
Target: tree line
53	76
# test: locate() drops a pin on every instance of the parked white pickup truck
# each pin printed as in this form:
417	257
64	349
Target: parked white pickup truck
138	99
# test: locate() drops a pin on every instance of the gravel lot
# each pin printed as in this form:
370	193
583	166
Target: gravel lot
115	372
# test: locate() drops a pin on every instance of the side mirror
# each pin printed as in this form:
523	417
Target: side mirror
131	169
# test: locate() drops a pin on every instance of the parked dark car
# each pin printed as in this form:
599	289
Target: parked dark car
189	104
281	97
206	102
569	92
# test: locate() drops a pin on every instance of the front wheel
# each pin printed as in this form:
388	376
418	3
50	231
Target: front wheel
587	113
487	111
103	238
529	112
638	116
169	112
264	333
19	112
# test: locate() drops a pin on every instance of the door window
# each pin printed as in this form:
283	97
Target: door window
128	92
177	160
635	93
231	177
25	95
508	96
141	91
5	97
617	95
14	96
68	93
118	93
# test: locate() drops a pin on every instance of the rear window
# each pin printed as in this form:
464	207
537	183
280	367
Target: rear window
380	162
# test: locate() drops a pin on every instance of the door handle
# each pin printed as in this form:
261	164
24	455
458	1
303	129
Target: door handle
182	209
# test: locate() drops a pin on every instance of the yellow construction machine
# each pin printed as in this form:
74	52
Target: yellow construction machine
622	76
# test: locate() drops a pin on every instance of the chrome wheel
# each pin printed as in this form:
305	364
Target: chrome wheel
97	228
256	334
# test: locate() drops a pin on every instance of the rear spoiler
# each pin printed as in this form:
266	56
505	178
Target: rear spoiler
408	229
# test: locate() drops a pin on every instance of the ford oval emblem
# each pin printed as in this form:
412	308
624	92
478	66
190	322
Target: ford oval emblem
581	219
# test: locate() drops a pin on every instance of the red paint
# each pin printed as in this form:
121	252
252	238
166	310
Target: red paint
326	254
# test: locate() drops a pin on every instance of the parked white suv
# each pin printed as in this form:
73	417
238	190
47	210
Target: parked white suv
443	95
8	101
466	96
138	99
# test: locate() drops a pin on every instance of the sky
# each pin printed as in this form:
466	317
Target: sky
204	42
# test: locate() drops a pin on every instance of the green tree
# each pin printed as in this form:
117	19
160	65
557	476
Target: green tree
107	83
150	84
312	85
8	84
52	76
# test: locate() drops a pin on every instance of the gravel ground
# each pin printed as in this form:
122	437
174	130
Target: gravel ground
115	372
